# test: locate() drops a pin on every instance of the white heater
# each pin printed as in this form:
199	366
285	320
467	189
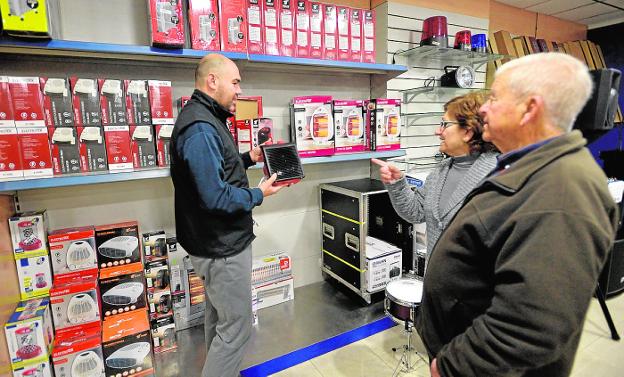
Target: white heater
81	309
87	364
119	247
123	294
129	356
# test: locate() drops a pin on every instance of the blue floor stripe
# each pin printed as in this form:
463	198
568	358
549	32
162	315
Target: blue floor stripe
297	357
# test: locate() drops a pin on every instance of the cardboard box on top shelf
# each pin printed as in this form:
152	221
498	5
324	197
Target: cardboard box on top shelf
86	102
368	36
255	26
316	30
355	35
271	31
166	23
344	33
287	27
302	28
330	32
204	24
6	104
233	24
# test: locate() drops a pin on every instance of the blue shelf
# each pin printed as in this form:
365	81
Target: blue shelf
146	53
89	179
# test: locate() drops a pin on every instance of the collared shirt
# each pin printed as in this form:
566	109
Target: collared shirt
505	161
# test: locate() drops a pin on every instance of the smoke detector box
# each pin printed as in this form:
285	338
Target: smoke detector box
27	101
79	356
163	334
40	369
137	103
143	147
34	275
72	250
126	345
350	128
117	247
112	102
86	102
29	333
312	123
383	123
75	304
57	102
28	233
163	142
92	149
155	246
123	294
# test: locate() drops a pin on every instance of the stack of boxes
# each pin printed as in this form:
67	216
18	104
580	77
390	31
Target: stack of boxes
271	280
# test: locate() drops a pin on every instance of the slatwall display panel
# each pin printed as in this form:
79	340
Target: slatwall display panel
421	116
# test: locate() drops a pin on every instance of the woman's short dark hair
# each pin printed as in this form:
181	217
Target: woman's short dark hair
466	110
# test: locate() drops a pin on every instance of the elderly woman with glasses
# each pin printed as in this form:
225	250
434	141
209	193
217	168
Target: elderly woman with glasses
469	160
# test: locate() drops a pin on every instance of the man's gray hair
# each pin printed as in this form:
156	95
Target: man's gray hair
561	80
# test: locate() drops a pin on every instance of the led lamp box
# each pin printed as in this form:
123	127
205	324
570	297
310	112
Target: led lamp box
384	264
330	32
127	345
302	28
112	102
160	304
75	304
123	293
344	33
316	30
34	276
86	102
287	27
118	248
383	122
32	19
203	18
73	252
38	369
65	150
142	143
163	141
27	101
355	32
163	334
79	356
29	333
368	36
155	246
92	149
276	292
137	103
6	105
312	125
10	156
34	147
271	267
161	101
28	233
57	102
270	33
350	126
233	25
166	20
118	152
255	25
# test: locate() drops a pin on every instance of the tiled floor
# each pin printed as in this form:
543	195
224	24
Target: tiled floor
598	355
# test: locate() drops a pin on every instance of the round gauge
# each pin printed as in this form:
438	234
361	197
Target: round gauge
464	76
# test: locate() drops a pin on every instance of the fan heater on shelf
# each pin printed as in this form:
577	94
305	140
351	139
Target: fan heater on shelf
87	364
393	124
123	294
321	126
119	247
81	309
355	125
80	255
283	160
129	356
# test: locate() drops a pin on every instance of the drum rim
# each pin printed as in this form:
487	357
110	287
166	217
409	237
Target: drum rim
401	301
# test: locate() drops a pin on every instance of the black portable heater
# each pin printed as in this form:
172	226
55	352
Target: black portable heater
283	160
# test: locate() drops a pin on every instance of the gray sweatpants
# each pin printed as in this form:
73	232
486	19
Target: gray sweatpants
228	320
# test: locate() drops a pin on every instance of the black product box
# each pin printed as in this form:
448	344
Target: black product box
137	103
112	102
127	346
118	246
65	150
163	334
155	245
143	147
92	149
57	102
160	303
86	102
122	294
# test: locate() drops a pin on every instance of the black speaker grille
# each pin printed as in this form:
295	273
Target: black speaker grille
283	160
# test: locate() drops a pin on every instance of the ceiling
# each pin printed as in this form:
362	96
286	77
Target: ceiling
593	13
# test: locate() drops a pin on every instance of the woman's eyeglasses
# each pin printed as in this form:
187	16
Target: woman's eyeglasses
447	123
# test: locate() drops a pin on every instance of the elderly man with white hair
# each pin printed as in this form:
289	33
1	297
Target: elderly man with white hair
510	280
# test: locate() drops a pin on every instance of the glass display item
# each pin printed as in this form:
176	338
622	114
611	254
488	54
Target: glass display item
463	40
435	32
479	43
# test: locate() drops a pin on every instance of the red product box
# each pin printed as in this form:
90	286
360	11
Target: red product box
6	106
204	24
78	348
75	305
166	23
86	102
124	293
57	102
233	25
355	28
128	340
35	152
271	27
27	101
286	26
230	123
72	252
112	102
161	101
137	102
163	141
312	125
255	15
92	149
316	30
261	131
350	126
10	156
118	152
143	147
383	123
302	27
344	34
368	34
65	150
330	32
243	135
